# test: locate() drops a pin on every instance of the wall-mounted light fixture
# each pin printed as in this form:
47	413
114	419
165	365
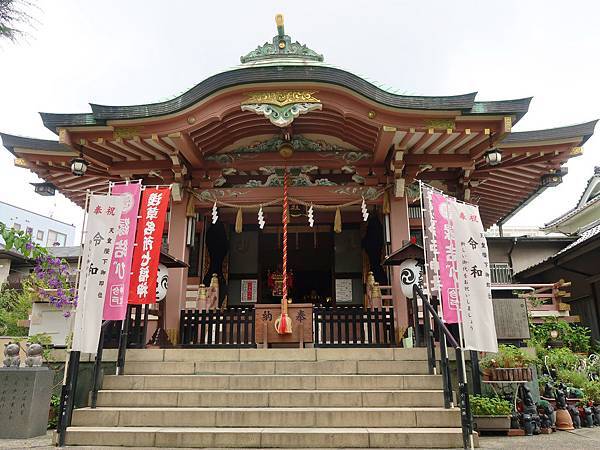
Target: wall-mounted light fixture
44	189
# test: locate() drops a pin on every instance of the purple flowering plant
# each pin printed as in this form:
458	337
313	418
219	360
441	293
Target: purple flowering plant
50	277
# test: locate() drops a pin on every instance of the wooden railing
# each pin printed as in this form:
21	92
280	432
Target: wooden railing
354	327
136	331
216	328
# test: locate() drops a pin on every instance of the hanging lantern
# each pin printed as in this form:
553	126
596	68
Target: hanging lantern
493	156
162	282
363	209
261	218
215	213
311	217
411	273
79	166
44	189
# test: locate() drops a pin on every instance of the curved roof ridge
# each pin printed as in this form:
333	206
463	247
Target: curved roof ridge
584	130
262	74
518	106
10	141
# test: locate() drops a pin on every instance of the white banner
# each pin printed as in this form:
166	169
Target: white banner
104	212
473	277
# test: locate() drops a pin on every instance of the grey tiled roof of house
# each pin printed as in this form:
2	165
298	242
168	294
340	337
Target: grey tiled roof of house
71	252
588	234
579	207
267	74
591	233
571	213
584	130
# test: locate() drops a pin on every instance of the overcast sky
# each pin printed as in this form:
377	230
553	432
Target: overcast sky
131	52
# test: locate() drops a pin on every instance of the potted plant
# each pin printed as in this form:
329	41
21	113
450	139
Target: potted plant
490	413
509	364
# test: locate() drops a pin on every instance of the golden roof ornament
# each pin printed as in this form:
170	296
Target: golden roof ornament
281	47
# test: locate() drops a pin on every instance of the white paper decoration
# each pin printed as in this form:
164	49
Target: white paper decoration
215	213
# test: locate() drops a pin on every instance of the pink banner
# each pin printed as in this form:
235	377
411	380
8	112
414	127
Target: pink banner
117	287
446	245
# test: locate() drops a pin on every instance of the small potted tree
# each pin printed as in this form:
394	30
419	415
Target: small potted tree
490	413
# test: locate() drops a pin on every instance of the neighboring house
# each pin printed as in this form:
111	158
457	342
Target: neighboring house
579	262
586	212
45	231
43	318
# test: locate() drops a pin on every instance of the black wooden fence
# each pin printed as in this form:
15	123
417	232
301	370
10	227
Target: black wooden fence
228	328
136	333
354	326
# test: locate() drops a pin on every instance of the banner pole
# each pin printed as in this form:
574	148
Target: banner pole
78	272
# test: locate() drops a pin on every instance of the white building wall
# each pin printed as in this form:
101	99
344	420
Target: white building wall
41	227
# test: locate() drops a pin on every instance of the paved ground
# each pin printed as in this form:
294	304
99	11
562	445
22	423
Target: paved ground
584	438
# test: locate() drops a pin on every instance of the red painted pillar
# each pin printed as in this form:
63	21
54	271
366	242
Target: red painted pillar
400	233
177	277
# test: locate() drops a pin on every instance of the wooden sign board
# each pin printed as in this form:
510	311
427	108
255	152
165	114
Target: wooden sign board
302	324
510	315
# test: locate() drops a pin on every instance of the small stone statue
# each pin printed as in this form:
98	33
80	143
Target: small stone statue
549	390
596	410
574	411
11	355
588	416
34	355
546	412
514	421
561	399
530	415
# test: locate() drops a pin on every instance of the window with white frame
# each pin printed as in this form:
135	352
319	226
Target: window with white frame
56	239
16	226
40	235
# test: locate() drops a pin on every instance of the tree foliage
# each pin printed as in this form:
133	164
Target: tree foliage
13	16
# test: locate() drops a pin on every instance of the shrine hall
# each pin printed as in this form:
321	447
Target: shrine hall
345	155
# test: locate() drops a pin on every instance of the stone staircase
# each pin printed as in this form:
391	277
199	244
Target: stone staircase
270	398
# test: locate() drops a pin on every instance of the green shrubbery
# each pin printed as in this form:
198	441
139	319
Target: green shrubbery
489	406
14	306
575	337
569	364
507	356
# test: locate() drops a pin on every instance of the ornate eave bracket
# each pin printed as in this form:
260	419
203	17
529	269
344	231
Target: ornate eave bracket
281	116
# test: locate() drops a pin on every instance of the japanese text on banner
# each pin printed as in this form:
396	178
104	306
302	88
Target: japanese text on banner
146	254
117	289
103	218
474	281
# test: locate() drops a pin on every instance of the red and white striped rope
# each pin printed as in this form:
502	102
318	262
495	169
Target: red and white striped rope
285	224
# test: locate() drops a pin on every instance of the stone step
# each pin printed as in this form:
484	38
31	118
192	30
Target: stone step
268	417
165	437
272	354
391	367
273	398
271	382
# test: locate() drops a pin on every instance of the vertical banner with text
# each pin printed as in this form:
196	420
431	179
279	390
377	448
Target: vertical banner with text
474	280
446	247
117	288
153	210
103	216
